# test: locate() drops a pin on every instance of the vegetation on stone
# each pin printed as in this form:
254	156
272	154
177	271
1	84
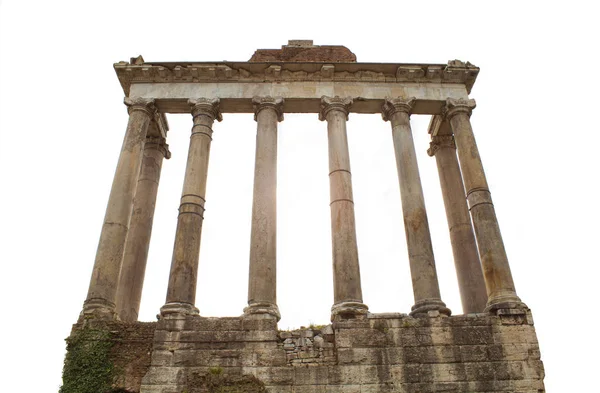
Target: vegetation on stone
88	367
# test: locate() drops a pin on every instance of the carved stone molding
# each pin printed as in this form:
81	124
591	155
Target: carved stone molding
393	105
207	107
458	105
145	105
275	103
159	143
338	103
440	142
140	72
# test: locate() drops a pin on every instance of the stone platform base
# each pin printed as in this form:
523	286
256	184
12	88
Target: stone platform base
378	353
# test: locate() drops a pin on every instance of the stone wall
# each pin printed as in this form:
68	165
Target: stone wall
381	353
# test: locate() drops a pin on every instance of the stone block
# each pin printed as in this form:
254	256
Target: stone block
514	334
258	324
432	354
534	369
213	324
164	376
375	375
378	388
268	357
357	338
474	353
228	335
411	373
508	370
272	375
520	351
479	371
343	389
309	389
344	375
362	323
161	358
374	356
279	389
473	335
311	375
207	358
414	337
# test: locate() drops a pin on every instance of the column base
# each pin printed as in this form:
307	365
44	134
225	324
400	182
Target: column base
100	309
176	310
348	310
507	300
262	310
430	308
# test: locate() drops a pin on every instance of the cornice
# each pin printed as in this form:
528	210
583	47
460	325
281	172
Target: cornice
455	71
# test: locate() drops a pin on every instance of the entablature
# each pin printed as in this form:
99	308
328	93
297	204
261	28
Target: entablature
454	74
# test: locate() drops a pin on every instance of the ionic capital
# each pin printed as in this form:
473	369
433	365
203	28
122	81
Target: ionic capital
159	143
338	103
440	142
275	103
458	105
207	107
393	105
145	105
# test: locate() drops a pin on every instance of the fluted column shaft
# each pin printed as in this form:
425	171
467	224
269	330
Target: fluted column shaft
420	251
496	270
102	291
181	292
347	290
464	248
262	282
129	292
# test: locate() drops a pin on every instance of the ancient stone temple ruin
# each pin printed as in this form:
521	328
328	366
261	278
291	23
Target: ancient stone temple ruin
492	347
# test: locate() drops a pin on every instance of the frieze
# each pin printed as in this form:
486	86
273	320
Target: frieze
137	71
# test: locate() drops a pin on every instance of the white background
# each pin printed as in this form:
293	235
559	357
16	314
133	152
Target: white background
62	122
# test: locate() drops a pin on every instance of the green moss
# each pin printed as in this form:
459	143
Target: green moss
215	370
88	367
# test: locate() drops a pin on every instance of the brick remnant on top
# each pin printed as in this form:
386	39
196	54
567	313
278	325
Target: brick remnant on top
305	51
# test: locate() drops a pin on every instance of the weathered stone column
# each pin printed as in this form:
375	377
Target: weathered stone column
101	296
496	270
262	284
464	248
420	251
129	292
348	302
181	293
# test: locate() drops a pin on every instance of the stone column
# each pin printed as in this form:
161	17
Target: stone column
464	248
100	302
348	302
181	293
262	285
496	270
420	251
129	292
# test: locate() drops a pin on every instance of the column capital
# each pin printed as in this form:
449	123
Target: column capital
342	104
159	143
440	142
206	106
458	105
399	104
260	103
140	104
